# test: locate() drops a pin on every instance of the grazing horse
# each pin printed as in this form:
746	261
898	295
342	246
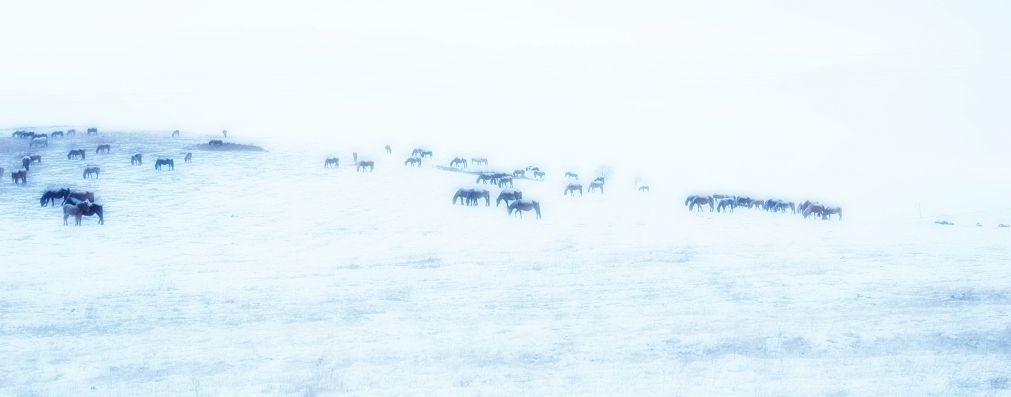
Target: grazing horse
26	162
77	210
699	201
50	196
354	157
22	175
413	161
56	134
362	165
93	209
594	186
496	177
462	195
335	162
36	158
103	149
813	208
519	174
479	161
175	133
78	154
417	151
135	159
388	149
92	130
39	141
485	177
426	153
458	161
505	180
72	132
215	142
89	171
742	201
524	205
188	158
79	196
572	188
831	211
644	188
474	194
164	161
572	175
726	205
508	195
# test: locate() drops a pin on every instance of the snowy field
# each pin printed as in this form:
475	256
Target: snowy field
262	273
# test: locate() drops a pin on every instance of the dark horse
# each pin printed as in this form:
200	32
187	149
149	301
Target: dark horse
36	158
92	131
93	209
539	175
362	165
135	159
412	161
594	186
458	161
22	175
525	205
644	188
335	162
572	188
188	158
726	205
91	171
175	133
163	161
103	149
474	194
50	196
56	134
26	163
693	200
79	196
508	195
77	154
215	142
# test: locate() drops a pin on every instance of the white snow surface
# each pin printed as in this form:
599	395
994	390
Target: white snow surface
262	273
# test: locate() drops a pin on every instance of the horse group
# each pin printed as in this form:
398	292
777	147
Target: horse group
75	203
727	203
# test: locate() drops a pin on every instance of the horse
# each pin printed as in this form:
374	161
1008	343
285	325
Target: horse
89	171
458	161
50	196
388	149
215	142
496	177
39	141
461	194
783	205
188	158
479	161
135	159
539	175
519	174
594	186
77	210
726	205
417	152
699	201
26	162
533	168
335	162
600	179
474	194
1003	225
36	158
72	132
22	175
508	195
505	180
362	165
175	133
164	161
93	209
92	130
572	188
572	175
79	196
426	153
77	154
831	211
354	157
524	205
485	177
742	201
813	208
57	133
103	149
413	161
644	188
224	133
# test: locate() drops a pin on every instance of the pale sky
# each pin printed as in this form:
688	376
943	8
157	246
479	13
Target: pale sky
870	105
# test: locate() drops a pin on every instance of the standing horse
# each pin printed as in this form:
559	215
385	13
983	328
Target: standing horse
572	188
539	175
188	158
508	195
524	205
413	161
135	159
103	149
458	161
50	196
20	175
175	133
831	211
479	161
335	162
354	157
92	131
362	165
644	188
388	149
594	186
77	210
91	171
699	201
26	162
163	161
39	141
519	174
572	175
36	158
95	209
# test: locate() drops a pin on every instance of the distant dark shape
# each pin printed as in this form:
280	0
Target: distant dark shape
224	133
366	164
79	196
26	163
572	175
354	156
485	177
36	159
505	180
77	154
22	134
91	172
726	205
782	206
388	149
458	162
508	195
76	211
72	132
103	149
826	214
572	188
473	195
644	188
539	175
39	141
331	162
1003	225
461	194
136	159
57	134
979	224
743	201
426	153
533	168
188	158
20	175
720	196
215	142
413	161
600	179
813	208
163	161
944	223
595	185
479	161
519	174
699	201
50	196
175	133
525	205
92	131
417	152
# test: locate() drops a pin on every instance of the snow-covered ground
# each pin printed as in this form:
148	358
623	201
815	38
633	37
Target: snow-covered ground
262	273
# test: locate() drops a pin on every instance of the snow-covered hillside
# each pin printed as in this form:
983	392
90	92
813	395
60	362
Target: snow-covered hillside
263	273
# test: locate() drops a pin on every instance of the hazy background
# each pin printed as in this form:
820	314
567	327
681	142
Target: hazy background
876	106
